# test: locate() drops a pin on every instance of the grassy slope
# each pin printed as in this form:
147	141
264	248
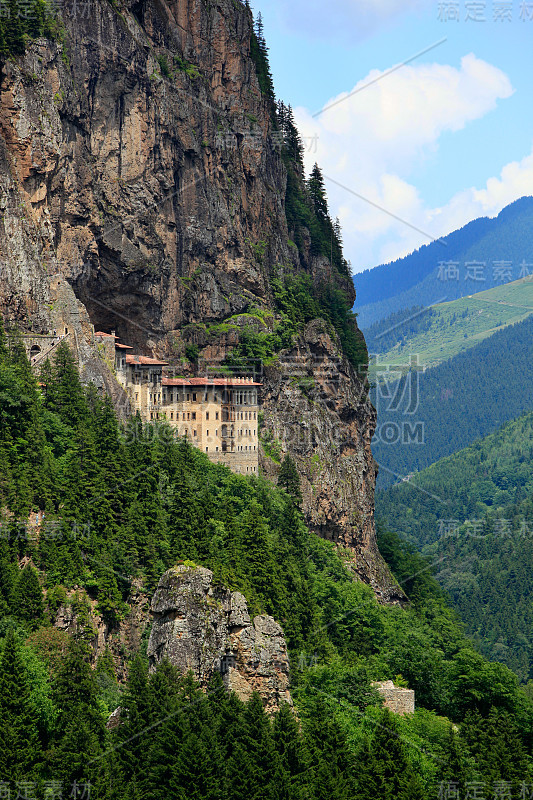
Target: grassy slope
461	324
413	280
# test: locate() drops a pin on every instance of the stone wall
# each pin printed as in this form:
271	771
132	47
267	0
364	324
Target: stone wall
396	698
245	463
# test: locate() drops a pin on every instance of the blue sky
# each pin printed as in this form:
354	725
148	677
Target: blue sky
428	142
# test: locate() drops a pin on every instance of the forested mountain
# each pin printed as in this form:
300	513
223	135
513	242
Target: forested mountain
454	403
446	329
485	253
471	514
152	184
122	502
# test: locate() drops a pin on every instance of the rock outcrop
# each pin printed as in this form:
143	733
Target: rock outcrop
203	627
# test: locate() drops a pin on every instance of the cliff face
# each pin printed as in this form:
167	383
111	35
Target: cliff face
205	628
142	189
137	163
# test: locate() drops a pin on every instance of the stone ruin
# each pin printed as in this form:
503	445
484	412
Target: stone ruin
396	698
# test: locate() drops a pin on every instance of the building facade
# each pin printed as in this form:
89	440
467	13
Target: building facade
220	416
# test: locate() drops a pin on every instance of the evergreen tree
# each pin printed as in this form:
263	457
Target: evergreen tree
20	751
14	30
386	772
63	389
317	193
28	604
259	55
289	479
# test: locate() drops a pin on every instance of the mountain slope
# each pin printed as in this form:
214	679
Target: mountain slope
454	403
500	245
444	330
472	516
123	502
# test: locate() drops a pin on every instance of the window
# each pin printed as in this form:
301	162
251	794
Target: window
184	416
254	414
254	446
151	414
207	416
207	449
194	414
188	414
188	396
171	415
136	395
194	433
216	448
215	397
171	397
207	433
216	415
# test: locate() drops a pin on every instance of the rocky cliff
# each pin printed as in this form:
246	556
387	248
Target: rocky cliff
205	628
142	189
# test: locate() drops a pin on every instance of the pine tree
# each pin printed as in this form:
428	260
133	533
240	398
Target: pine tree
253	555
386	771
64	392
259	55
14	31
20	751
134	736
109	599
294	759
289	479
317	193
28	604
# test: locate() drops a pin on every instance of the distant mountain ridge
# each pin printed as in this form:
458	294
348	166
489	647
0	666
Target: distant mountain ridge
439	332
438	272
453	404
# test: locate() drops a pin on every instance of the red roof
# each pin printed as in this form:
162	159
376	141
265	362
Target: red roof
144	361
110	335
208	382
123	346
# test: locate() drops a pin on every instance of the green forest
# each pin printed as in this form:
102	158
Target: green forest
456	402
472	516
123	503
21	21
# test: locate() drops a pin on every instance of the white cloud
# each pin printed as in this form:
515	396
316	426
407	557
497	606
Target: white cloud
371	141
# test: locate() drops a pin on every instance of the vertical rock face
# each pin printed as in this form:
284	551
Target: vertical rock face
142	190
138	163
316	407
205	628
